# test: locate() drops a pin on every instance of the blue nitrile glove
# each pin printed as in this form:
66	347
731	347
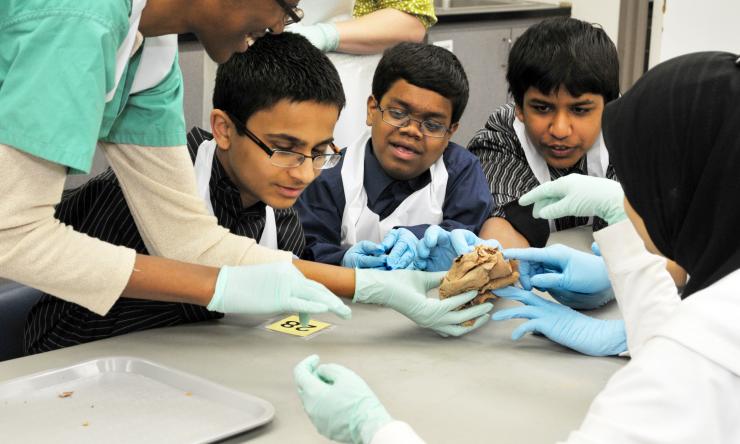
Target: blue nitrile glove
584	334
324	36
574	278
400	244
268	289
577	195
406	292
339	403
439	247
365	254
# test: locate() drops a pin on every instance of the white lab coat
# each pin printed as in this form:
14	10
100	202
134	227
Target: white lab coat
683	382
355	71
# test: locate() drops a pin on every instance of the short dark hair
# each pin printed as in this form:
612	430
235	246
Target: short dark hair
425	66
276	67
564	51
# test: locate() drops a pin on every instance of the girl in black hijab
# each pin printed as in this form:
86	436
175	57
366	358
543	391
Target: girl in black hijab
674	140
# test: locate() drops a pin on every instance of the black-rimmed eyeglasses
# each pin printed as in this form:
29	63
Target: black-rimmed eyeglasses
293	14
328	158
401	119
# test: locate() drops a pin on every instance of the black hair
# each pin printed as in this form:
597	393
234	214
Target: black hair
276	67
425	66
564	51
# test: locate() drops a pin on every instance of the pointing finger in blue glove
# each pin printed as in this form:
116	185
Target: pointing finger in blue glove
577	279
562	324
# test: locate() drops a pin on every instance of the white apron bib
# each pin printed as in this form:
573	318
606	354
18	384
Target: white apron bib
597	159
203	165
359	223
156	57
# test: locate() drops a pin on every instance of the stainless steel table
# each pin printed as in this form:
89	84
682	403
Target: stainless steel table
481	388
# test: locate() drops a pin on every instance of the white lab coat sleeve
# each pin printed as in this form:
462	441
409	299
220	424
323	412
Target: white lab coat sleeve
667	394
396	432
645	291
37	250
160	189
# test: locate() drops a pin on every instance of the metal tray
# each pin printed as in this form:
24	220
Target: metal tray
124	399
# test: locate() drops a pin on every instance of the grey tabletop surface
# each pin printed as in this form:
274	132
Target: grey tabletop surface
480	388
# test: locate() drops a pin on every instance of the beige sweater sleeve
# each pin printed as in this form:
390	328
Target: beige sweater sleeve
160	189
39	251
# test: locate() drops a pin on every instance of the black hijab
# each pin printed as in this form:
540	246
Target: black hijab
674	140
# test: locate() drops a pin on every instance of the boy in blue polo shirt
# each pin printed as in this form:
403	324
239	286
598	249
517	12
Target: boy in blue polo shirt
403	174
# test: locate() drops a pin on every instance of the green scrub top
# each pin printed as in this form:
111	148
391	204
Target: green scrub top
57	64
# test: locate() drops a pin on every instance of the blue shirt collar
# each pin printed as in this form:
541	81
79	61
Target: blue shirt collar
376	180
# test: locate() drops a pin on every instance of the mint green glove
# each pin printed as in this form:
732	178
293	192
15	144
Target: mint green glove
577	195
406	292
324	36
339	403
269	289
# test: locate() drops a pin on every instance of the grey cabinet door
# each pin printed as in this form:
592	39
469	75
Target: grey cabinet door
483	50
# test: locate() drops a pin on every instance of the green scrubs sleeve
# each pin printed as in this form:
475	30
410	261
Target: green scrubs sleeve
55	69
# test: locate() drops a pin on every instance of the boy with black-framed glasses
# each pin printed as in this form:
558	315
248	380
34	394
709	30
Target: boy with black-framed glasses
403	174
250	192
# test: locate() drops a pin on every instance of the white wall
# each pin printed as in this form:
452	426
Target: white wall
603	12
684	26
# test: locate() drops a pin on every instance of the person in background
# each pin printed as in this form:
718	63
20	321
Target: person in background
676	147
374	24
403	174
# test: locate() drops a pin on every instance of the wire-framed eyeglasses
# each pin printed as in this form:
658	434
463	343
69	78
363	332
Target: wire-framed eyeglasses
329	153
400	119
293	14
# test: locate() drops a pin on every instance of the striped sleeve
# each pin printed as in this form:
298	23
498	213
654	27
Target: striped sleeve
503	160
99	209
289	231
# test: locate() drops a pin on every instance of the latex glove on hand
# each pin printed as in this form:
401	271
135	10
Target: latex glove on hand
269	289
439	247
561	324
400	244
324	36
340	404
577	195
365	254
574	278
406	292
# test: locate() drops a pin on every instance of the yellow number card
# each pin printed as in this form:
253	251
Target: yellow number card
292	326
